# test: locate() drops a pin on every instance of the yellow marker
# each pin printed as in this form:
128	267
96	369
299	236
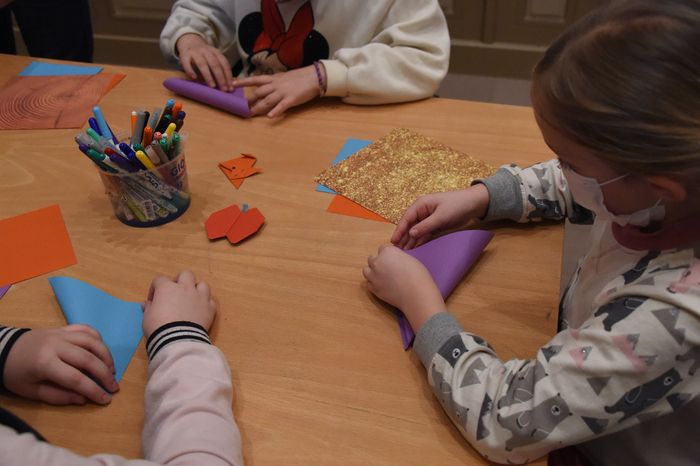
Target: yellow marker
169	130
143	158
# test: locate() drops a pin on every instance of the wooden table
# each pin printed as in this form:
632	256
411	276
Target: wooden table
319	373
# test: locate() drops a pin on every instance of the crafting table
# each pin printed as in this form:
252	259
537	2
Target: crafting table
318	370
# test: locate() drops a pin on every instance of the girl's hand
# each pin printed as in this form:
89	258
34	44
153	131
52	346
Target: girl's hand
182	299
200	59
61	366
402	281
273	94
438	212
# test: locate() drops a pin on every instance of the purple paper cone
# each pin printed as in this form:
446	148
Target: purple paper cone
448	259
232	102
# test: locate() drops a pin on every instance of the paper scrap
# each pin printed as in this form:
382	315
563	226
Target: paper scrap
344	206
238	169
119	322
34	243
40	68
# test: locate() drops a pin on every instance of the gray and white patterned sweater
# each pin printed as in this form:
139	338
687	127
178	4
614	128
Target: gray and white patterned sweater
621	377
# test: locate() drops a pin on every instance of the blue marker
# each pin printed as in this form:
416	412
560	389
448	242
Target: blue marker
101	123
122	163
131	155
93	124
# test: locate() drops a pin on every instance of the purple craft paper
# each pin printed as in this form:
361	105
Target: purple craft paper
232	102
3	289
448	259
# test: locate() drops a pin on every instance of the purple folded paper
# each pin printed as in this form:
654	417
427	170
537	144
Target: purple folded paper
232	102
448	259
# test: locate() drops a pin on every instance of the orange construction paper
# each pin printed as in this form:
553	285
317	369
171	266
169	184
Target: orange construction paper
248	223
344	206
221	221
34	243
47	102
236	170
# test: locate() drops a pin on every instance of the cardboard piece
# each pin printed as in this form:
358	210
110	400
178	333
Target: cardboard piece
119	322
240	168
233	102
50	102
448	259
34	243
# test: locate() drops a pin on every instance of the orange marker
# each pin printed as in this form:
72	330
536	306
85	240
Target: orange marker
147	136
176	109
134	116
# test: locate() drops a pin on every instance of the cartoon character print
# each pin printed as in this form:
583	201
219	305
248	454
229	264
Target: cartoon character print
486	406
544	208
443	391
274	48
689	279
521	384
640	267
640	398
693	354
618	309
532	426
453	349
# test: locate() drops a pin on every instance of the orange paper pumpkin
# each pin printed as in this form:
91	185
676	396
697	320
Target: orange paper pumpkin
234	223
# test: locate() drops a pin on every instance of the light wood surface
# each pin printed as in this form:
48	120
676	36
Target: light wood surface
319	373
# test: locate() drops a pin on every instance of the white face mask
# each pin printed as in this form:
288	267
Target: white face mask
587	193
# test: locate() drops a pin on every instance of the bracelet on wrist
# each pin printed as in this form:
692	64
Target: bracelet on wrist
319	77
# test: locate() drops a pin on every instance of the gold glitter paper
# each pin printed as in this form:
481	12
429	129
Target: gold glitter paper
388	175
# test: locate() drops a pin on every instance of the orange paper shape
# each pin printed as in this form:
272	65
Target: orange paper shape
47	102
236	170
344	206
248	223
34	243
221	221
233	223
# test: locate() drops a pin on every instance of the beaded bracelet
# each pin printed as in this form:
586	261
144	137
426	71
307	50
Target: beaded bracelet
319	77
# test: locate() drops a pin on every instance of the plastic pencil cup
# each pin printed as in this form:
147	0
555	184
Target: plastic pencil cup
149	198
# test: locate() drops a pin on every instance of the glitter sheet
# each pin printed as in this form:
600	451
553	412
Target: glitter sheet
387	176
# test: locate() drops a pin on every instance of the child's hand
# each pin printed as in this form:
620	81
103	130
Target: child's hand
198	56
181	300
61	366
402	281
276	93
438	212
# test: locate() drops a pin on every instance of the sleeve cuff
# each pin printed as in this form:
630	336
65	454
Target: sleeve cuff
505	198
336	78
433	334
8	338
173	332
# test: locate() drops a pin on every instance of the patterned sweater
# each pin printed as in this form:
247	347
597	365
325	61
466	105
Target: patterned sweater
188	418
374	51
620	378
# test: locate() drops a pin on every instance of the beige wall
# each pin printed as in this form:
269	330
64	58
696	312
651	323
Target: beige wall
489	37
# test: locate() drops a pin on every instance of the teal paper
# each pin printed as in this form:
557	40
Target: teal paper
119	322
39	68
351	146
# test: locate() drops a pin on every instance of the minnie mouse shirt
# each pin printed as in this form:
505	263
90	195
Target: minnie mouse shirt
374	51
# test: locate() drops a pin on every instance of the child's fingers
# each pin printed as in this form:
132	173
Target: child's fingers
88	363
367	272
262	106
94	346
203	67
186	277
83	328
283	105
203	287
217	69
253	81
186	62
226	67
70	378
57	395
157	283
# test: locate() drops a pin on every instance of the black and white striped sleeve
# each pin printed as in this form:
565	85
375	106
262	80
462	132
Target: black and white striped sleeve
172	332
8	337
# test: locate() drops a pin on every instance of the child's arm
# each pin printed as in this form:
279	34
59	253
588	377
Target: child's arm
188	396
634	360
198	34
66	365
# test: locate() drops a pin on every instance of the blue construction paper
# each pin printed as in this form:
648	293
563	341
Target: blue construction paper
3	290
39	68
351	146
119	322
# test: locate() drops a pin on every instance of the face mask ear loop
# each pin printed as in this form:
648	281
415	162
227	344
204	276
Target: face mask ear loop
614	179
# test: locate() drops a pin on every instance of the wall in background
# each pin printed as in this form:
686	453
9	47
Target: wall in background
502	38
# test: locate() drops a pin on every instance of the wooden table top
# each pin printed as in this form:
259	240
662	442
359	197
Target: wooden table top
319	373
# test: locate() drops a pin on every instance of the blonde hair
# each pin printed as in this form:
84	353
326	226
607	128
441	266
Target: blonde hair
624	81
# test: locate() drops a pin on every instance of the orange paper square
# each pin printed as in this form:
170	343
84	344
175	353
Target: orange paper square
343	205
34	243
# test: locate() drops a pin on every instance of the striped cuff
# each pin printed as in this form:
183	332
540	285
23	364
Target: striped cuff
175	331
8	337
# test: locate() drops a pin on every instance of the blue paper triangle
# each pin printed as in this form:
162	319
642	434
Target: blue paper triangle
40	68
351	146
119	322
